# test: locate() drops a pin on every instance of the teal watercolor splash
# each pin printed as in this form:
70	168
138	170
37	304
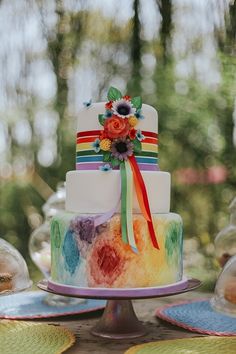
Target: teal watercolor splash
55	234
173	240
70	252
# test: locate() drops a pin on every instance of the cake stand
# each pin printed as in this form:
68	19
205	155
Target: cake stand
119	320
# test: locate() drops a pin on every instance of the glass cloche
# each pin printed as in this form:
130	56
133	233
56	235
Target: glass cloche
39	242
40	246
225	241
224	299
14	275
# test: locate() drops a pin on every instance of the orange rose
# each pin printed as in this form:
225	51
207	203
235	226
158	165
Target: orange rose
116	127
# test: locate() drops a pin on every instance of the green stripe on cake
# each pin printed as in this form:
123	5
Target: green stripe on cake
91	153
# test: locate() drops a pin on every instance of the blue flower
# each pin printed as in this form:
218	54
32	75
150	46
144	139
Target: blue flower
139	135
138	114
105	167
87	104
96	145
108	114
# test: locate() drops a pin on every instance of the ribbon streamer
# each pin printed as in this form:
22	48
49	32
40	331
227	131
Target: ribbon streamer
129	206
123	202
143	199
102	218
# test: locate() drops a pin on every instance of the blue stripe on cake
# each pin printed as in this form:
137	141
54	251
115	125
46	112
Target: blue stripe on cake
146	160
99	158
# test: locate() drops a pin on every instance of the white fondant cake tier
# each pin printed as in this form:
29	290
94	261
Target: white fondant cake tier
88	118
99	191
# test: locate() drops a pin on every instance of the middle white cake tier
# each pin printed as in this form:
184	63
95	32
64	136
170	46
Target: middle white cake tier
99	191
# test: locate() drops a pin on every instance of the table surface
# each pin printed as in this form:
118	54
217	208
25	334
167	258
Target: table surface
145	309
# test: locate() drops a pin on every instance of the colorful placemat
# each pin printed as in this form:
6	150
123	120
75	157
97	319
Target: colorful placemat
198	316
33	305
199	345
18	337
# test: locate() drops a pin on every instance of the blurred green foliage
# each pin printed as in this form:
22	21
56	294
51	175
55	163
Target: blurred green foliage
195	120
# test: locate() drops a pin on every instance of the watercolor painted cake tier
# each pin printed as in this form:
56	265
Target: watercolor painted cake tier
86	255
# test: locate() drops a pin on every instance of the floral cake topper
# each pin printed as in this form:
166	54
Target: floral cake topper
119	139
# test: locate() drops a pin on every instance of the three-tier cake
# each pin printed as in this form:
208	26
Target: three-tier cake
117	230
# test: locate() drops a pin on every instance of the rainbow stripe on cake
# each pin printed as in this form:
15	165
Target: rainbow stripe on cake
88	159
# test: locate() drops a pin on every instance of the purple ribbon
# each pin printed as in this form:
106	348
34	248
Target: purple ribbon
102	218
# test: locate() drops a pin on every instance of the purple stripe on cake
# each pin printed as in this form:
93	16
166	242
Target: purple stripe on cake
95	166
90	166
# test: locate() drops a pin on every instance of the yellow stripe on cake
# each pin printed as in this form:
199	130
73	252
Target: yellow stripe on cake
84	146
149	147
145	147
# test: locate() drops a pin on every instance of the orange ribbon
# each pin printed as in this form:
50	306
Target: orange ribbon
143	199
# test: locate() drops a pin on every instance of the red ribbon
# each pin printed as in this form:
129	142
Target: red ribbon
143	199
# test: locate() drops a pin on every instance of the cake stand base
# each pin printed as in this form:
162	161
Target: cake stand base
119	320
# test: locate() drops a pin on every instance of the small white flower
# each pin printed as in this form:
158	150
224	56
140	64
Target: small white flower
105	167
139	135
88	104
96	145
138	114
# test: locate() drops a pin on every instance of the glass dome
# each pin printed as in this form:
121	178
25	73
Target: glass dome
40	249
224	299
56	201
14	275
39	242
225	241
40	246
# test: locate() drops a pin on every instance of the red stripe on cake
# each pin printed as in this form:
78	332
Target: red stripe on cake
90	139
92	133
150	134
150	140
86	140
88	133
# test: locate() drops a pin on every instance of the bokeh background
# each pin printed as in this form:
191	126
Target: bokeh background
179	55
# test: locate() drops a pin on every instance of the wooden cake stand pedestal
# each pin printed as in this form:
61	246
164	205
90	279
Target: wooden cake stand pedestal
119	320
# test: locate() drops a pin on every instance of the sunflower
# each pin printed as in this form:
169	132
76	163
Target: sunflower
122	148
123	108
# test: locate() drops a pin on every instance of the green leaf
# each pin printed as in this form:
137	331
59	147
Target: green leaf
113	94
106	156
137	145
115	162
101	119
137	102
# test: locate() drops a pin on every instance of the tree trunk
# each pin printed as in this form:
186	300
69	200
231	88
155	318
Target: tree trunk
165	8
134	85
